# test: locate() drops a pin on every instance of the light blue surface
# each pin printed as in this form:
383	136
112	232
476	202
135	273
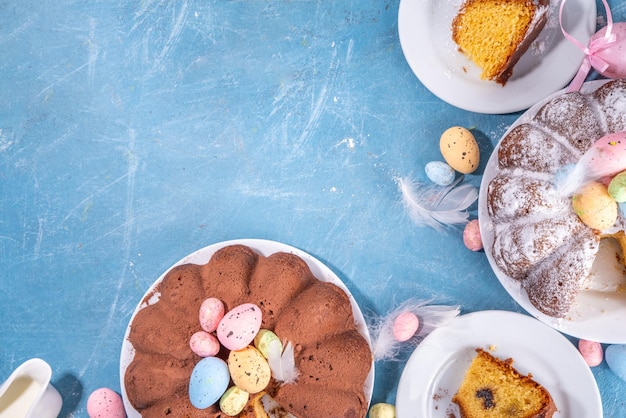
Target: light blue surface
134	133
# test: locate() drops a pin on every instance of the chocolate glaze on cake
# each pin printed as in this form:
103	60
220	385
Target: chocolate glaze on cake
333	358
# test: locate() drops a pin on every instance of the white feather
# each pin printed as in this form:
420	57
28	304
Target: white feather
282	364
437	206
585	170
386	347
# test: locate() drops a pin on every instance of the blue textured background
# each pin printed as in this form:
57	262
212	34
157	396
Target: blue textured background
134	133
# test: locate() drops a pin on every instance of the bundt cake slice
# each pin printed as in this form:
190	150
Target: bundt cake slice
492	388
553	284
519	246
495	34
532	149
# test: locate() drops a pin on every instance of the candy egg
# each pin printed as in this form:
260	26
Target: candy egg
595	207
591	352
615	54
460	149
249	369
204	344
382	410
608	154
211	313
405	325
439	173
239	326
233	401
263	339
471	236
209	380
105	403
616	359
617	187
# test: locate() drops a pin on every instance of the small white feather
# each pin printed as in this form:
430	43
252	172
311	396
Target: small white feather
386	347
587	169
437	206
283	365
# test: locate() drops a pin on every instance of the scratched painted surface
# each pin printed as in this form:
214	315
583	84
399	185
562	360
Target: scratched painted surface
134	133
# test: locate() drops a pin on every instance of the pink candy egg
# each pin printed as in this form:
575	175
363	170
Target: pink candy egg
405	326
239	326
471	236
615	54
204	344
610	155
591	352
211	313
105	403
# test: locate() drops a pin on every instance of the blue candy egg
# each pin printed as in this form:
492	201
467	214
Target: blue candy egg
440	173
209	380
615	356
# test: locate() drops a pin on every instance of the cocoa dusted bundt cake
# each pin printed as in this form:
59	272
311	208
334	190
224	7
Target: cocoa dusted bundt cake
332	356
538	239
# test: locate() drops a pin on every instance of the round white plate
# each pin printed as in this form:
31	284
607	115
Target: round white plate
436	368
599	310
264	248
425	30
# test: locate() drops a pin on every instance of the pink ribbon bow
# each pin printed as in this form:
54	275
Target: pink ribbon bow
595	46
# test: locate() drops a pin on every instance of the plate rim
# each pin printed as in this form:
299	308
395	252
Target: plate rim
576	328
261	246
481	324
461	93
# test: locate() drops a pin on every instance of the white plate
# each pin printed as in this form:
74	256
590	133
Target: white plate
265	248
424	27
599	310
436	368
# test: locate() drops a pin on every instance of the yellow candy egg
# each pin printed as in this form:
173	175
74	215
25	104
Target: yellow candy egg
264	339
595	207
382	410
249	370
460	149
233	401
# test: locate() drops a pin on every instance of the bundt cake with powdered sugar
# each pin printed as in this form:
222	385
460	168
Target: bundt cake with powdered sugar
538	239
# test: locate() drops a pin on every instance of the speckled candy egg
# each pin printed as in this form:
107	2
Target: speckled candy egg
439	173
264	339
239	326
211	313
249	369
617	187
595	207
591	351
105	403
471	236
611	158
382	410
405	325
204	344
615	356
615	54
209	380
233	401
460	149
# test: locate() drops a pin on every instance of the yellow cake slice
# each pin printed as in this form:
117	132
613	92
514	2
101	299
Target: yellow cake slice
494	34
492	388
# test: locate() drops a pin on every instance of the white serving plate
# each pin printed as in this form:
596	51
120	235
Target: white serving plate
436	368
425	31
599	310
265	248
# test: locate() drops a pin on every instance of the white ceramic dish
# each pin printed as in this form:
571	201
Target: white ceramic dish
424	27
599	310
265	248
436	368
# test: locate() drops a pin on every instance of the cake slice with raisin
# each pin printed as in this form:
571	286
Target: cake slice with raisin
492	388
